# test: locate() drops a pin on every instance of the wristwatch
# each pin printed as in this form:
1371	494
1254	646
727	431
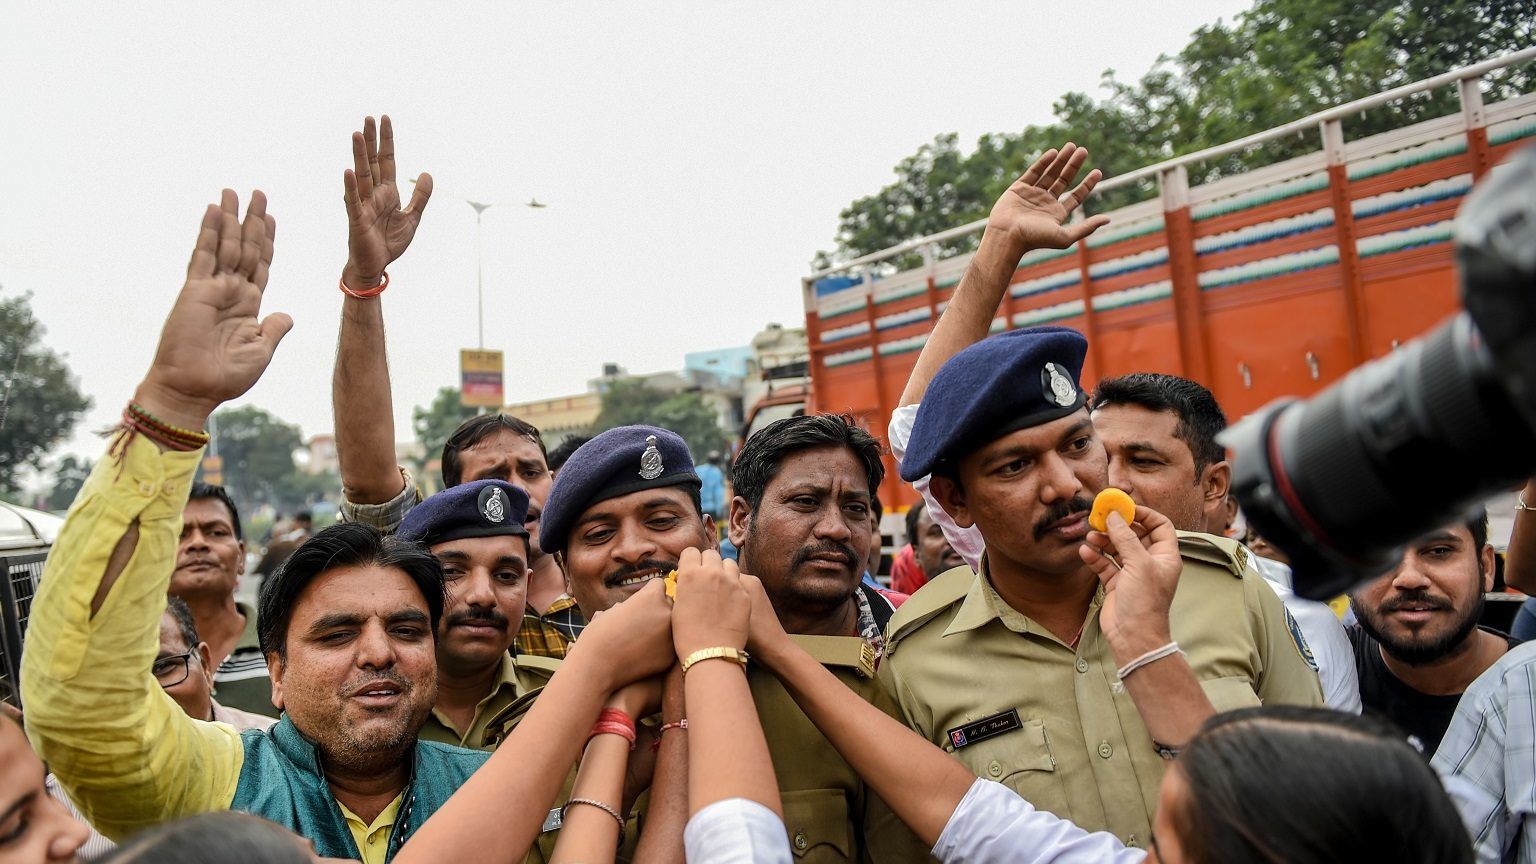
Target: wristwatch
735	655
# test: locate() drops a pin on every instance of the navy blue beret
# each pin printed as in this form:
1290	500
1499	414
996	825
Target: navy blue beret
484	508
617	462
1001	384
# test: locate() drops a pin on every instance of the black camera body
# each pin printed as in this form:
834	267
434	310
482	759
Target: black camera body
1407	443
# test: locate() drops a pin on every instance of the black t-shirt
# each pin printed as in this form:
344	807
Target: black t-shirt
1421	715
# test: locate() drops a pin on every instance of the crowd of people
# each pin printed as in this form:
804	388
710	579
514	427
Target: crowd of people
550	660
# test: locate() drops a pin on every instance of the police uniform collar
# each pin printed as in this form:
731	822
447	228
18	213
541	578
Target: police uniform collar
982	605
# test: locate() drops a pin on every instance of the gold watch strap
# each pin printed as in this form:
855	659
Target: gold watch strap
735	655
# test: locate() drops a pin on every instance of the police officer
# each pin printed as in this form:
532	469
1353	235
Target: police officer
623	509
1043	673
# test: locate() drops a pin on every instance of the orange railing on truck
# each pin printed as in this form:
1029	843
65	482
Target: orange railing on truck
1272	282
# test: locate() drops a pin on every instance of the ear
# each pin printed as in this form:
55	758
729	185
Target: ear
205	657
951	497
1217	482
740	516
240	570
711	533
1487	565
275	671
560	562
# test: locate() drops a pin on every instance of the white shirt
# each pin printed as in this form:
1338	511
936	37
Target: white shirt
736	831
966	541
994	824
1488	758
1325	636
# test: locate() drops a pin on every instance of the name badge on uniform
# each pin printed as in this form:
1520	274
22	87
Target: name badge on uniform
986	727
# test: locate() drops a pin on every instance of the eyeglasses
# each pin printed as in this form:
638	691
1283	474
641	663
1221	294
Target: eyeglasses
172	670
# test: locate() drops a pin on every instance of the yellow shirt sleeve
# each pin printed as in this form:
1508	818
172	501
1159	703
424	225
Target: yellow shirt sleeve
127	755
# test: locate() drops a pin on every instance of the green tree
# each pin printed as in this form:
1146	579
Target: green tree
1279	61
629	401
257	448
40	402
436	422
68	478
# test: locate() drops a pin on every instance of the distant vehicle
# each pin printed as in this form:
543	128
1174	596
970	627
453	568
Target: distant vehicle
24	528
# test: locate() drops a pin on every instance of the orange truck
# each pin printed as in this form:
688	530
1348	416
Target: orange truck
1268	283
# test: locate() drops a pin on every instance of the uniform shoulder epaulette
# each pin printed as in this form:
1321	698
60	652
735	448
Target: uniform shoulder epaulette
534	670
849	652
946	589
1224	552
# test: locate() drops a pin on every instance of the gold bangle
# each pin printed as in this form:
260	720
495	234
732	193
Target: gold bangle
735	655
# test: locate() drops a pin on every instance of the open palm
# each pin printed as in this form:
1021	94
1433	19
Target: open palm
1033	211
379	231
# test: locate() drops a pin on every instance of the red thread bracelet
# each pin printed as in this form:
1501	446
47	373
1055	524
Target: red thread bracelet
662	730
614	722
365	294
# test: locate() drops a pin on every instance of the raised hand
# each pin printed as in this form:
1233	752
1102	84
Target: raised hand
1139	581
378	230
713	607
1032	212
213	348
630	641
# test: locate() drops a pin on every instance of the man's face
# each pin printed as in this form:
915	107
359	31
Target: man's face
1155	466
809	536
619	544
194	692
360	676
210	559
34	828
934	554
1424	610
506	455
1030	492
486	591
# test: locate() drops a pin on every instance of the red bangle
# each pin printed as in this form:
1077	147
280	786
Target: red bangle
662	730
614	722
364	295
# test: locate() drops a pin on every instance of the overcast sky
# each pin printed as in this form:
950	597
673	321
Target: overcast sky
693	155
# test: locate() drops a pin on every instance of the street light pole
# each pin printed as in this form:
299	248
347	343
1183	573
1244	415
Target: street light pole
479	268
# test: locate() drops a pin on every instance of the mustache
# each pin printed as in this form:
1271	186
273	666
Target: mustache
1060	510
827	547
478	615
1414	598
197	560
363	682
662	567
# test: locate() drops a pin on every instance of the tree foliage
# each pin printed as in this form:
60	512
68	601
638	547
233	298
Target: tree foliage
629	401
1279	61
436	422
40	402
259	468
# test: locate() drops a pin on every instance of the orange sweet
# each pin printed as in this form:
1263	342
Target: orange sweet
1111	500
671	580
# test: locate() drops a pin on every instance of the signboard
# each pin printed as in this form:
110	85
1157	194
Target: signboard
480	379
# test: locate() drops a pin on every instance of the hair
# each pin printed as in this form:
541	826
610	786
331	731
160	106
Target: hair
562	452
477	429
182	614
1200	415
204	491
1477	526
223	837
1298	785
347	544
758	461
914	513
876	509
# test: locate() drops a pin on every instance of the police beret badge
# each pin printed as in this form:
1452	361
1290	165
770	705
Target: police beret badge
1058	387
493	505
650	460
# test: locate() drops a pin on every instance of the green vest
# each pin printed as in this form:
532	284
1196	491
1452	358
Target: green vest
282	780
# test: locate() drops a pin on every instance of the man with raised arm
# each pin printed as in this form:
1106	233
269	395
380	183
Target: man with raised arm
1027	668
375	490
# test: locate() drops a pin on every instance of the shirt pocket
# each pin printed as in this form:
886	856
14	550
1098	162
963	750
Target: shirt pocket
1229	693
1021	760
818	825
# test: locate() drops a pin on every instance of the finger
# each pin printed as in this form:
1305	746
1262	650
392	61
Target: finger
253	233
1074	164
264	266
1052	172
420	196
361	167
1102	565
731	571
1032	175
386	150
1078	230
371	145
1128	547
206	250
688	562
1159	527
229	231
351	195
1074	199
273	328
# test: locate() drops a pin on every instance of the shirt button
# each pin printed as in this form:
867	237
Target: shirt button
146	487
1082	665
801	842
995	769
371	838
1105	750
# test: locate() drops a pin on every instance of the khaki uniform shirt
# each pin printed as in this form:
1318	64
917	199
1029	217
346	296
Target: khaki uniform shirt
521	676
830	814
1019	706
